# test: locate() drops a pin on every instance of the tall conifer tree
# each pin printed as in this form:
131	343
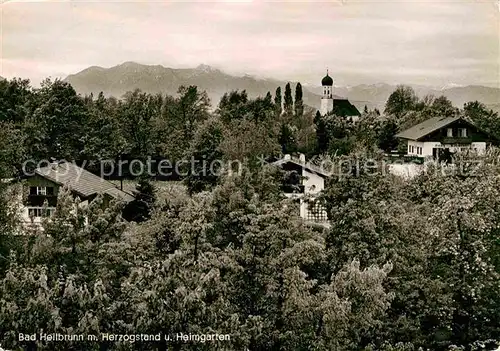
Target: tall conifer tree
288	101
299	104
277	102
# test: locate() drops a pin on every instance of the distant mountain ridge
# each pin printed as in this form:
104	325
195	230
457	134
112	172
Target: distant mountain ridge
377	94
128	76
117	80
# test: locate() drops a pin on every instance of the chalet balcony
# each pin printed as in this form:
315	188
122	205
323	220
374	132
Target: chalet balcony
39	200
456	140
292	189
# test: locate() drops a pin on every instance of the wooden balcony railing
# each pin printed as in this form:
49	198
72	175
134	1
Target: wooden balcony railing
39	200
456	140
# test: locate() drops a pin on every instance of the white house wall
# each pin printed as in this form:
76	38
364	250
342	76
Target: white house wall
428	146
326	106
312	182
413	152
479	146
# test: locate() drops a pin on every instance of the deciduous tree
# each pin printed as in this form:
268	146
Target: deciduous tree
402	100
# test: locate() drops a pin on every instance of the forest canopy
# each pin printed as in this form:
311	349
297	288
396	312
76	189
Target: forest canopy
405	264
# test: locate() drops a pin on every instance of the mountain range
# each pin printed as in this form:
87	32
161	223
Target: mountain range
117	80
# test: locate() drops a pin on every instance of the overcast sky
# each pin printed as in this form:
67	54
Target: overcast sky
429	42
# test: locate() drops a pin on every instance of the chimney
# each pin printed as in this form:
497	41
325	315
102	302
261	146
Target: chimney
302	158
53	164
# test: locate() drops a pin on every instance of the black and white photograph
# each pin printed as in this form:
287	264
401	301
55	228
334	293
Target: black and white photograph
250	175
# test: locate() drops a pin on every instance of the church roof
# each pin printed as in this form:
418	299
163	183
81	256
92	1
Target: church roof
327	80
343	108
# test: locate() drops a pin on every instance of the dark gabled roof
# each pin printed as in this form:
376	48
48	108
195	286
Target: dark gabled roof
427	127
81	181
343	108
308	166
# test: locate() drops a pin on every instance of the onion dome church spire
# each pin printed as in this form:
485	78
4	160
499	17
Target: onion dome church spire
327	98
327	80
343	108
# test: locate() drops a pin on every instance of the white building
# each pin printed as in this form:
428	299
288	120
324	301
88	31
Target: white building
329	103
327	98
306	182
41	189
440	137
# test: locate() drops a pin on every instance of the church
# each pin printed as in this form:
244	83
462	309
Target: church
340	107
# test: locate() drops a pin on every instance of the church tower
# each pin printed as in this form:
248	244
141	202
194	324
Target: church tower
327	98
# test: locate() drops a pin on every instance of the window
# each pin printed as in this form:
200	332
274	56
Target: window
40	212
34	212
462	132
41	190
409	148
449	132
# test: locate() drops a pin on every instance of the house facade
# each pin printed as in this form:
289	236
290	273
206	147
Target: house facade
305	182
38	191
42	188
440	136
